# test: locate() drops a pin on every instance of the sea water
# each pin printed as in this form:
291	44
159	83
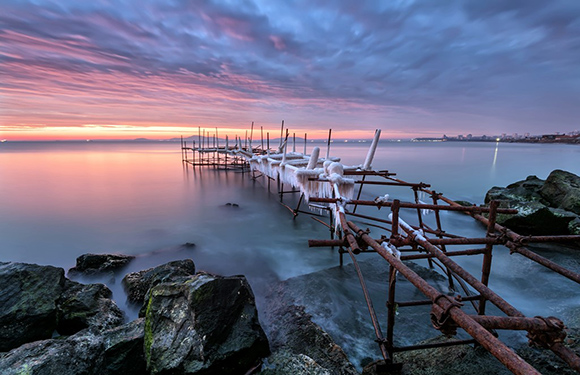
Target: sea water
59	200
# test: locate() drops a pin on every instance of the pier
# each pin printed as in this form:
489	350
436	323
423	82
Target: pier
403	229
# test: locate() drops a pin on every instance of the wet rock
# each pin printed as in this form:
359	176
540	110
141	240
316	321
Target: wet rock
203	324
82	306
78	354
92	264
520	191
296	333
123	350
28	295
562	190
574	226
535	218
544	207
136	284
116	351
285	362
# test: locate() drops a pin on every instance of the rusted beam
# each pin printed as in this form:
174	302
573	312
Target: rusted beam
498	349
471	209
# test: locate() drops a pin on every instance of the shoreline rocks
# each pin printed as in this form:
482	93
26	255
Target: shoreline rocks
550	206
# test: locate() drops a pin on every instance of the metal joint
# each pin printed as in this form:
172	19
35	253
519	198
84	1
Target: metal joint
546	339
440	317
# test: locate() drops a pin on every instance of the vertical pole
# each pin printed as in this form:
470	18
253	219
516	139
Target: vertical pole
391	311
181	148
281	133
359	192
486	267
293	142
262	137
395	221
328	144
440	235
305	135
420	218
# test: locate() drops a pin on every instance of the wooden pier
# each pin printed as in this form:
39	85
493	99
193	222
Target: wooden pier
326	186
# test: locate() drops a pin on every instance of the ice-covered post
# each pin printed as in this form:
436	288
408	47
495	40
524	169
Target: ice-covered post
372	149
313	158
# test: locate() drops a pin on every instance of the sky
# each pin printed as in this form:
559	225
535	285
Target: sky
159	69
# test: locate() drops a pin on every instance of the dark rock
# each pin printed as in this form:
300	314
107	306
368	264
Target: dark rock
205	324
76	355
116	351
535	218
296	333
28	295
574	226
285	362
91	264
527	190
464	203
136	284
82	306
562	190
544	207
123	350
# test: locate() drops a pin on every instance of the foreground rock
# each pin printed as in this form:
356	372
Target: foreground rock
545	207
37	300
467	359
82	306
136	284
116	351
92	264
205	324
28	302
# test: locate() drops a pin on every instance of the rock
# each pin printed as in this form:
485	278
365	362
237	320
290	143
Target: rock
78	354
28	295
527	190
460	359
544	207
537	219
574	226
136	284
82	306
285	362
91	264
562	190
123	350
116	351
204	324
296	333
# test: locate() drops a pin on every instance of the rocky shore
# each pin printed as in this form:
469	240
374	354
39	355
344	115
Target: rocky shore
550	206
194	322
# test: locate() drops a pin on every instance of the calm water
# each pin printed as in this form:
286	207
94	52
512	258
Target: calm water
60	200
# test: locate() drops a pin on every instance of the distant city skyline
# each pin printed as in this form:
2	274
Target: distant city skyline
158	69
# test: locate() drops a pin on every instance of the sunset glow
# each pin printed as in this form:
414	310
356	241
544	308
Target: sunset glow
77	70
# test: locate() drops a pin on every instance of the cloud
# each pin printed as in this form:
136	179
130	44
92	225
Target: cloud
424	64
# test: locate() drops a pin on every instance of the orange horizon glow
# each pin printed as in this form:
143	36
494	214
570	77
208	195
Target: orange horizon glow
166	132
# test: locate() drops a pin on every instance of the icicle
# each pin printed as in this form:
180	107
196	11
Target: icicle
424	211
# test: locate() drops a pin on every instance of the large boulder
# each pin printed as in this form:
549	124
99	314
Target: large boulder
284	362
116	351
123	350
81	306
562	190
296	333
136	284
28	302
544	207
92	264
76	355
205	324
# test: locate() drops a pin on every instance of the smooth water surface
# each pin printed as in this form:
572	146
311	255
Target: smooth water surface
62	199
